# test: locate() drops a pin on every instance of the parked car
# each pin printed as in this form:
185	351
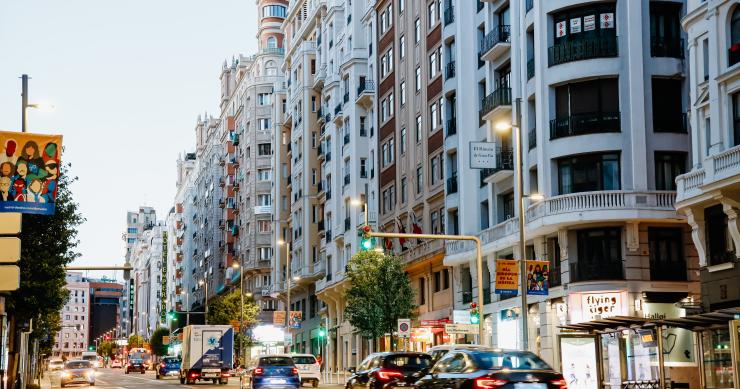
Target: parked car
389	370
491	369
169	366
308	368
437	352
275	371
116	364
135	365
56	364
77	371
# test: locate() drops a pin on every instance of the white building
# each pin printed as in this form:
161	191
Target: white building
147	260
73	336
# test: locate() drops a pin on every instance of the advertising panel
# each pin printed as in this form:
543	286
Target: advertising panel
579	361
678	343
538	275
507	276
29	172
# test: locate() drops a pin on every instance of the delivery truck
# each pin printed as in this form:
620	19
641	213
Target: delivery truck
207	354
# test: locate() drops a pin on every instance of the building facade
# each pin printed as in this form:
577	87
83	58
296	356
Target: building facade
74	336
148	260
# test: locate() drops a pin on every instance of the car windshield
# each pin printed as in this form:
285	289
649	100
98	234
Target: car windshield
90	357
276	361
493	360
307	360
171	360
438	354
78	365
415	362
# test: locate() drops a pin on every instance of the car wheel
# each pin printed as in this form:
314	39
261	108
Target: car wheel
159	377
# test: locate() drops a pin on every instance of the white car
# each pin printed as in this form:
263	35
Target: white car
56	364
308	368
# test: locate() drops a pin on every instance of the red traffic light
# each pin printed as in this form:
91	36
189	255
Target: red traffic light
366	229
473	305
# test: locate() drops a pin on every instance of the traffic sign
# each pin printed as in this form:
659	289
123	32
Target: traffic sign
470	329
10	250
404	328
10	278
461	317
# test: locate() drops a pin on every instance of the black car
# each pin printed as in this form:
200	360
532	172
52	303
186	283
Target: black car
135	365
389	370
491	369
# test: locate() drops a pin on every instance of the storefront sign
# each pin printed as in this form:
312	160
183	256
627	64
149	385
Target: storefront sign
509	314
507	276
437	323
422	335
592	306
538	274
575	25
560	29
607	20
589	22
678	343
469	329
578	361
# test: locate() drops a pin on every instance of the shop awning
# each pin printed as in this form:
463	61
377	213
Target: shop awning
615	323
709	320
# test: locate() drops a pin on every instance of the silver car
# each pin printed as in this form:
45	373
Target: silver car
78	372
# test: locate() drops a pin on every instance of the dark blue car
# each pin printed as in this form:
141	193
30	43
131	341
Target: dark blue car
275	372
170	366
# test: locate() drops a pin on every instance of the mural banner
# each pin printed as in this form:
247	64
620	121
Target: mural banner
29	172
538	274
507	276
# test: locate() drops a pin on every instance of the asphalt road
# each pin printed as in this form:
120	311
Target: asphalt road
116	379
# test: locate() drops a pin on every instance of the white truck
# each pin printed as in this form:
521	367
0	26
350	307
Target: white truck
207	354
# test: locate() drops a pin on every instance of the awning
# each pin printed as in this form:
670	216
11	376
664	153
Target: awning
702	321
610	324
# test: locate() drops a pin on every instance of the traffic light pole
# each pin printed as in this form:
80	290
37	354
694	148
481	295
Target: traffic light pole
478	262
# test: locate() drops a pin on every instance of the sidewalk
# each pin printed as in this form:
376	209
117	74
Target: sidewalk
46	381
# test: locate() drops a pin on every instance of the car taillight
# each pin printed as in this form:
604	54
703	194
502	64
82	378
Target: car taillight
193	374
259	371
162	365
488	383
387	375
295	371
560	383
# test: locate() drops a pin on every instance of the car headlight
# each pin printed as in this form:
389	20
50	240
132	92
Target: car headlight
65	374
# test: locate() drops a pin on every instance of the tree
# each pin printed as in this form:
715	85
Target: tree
135	341
224	309
106	349
156	342
379	295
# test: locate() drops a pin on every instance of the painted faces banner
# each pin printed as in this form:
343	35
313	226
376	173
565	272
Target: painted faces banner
507	276
538	274
29	172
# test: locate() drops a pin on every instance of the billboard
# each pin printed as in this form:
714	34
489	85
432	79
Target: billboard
507	276
29	172
538	274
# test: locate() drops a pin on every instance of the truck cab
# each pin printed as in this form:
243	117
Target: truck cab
207	354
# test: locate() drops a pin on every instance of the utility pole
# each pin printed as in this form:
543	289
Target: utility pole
24	100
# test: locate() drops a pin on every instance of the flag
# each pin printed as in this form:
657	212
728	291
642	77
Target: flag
415	225
401	229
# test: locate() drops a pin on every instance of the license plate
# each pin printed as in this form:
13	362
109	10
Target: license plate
527	385
211	375
275	381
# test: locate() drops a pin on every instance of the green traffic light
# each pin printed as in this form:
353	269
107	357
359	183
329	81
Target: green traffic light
367	244
474	319
322	333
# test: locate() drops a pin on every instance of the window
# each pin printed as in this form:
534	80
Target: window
590	26
386	108
736	117
263	98
264	149
419	180
719	242
667	262
599	255
264	175
422	291
264	199
131	230
506	201
277	11
433	64
665	30
401	5
418	129
404	190
386	19
417	79
432	14
668	165
403	93
585	108
264	226
735	37
433	167
402	47
667	106
386	63
589	172
402	145
264	253
433	117
484	223
417	30
363	167
389	199
388	152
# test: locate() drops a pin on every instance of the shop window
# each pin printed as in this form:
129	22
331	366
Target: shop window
589	172
599	255
718	369
736	118
668	166
719	245
667	262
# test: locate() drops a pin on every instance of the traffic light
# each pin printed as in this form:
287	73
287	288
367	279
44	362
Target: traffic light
172	316
474	314
367	242
322	333
91	348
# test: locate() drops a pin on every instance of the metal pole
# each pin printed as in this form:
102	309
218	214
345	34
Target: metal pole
241	308
187	314
522	242
206	284
24	100
481	298
287	304
661	358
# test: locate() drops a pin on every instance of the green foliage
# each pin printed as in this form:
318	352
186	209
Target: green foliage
224	309
48	244
135	341
379	295
106	349
158	347
48	324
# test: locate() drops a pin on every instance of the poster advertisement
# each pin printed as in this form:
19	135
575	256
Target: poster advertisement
29	172
507	276
575	25
296	317
538	274
578	361
507	329
589	22
678	343
560	29
607	20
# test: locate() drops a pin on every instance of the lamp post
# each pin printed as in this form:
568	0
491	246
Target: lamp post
204	282
363	204
25	105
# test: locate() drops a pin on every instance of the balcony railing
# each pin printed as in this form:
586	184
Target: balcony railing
449	15
452	184
452	126
532	135
530	68
450	70
346	98
499	34
504	161
346	179
577	50
320	225
365	86
662	47
676	122
479	5
497	98
337	109
587	123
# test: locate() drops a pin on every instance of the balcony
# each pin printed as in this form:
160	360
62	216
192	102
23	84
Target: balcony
319	115
320	152
532	137
495	43
452	126
328	194
320	226
582	124
320	187
715	168
328	235
450	70
346	138
603	47
234	138
504	166
452	184
365	92
328	156
530	68
347	224
677	123
661	47
499	101
449	15
338	110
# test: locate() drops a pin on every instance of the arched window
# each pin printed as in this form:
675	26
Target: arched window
735	37
272	42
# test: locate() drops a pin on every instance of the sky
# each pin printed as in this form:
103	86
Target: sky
127	80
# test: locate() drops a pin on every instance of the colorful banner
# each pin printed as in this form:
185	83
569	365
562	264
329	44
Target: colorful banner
29	172
296	317
507	276
538	274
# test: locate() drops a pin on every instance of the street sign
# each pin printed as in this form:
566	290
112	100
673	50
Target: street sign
10	223
461	317
468	329
10	250
404	328
10	278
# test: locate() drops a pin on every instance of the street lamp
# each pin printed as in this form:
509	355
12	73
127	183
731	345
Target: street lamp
205	283
25	105
287	280
360	203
